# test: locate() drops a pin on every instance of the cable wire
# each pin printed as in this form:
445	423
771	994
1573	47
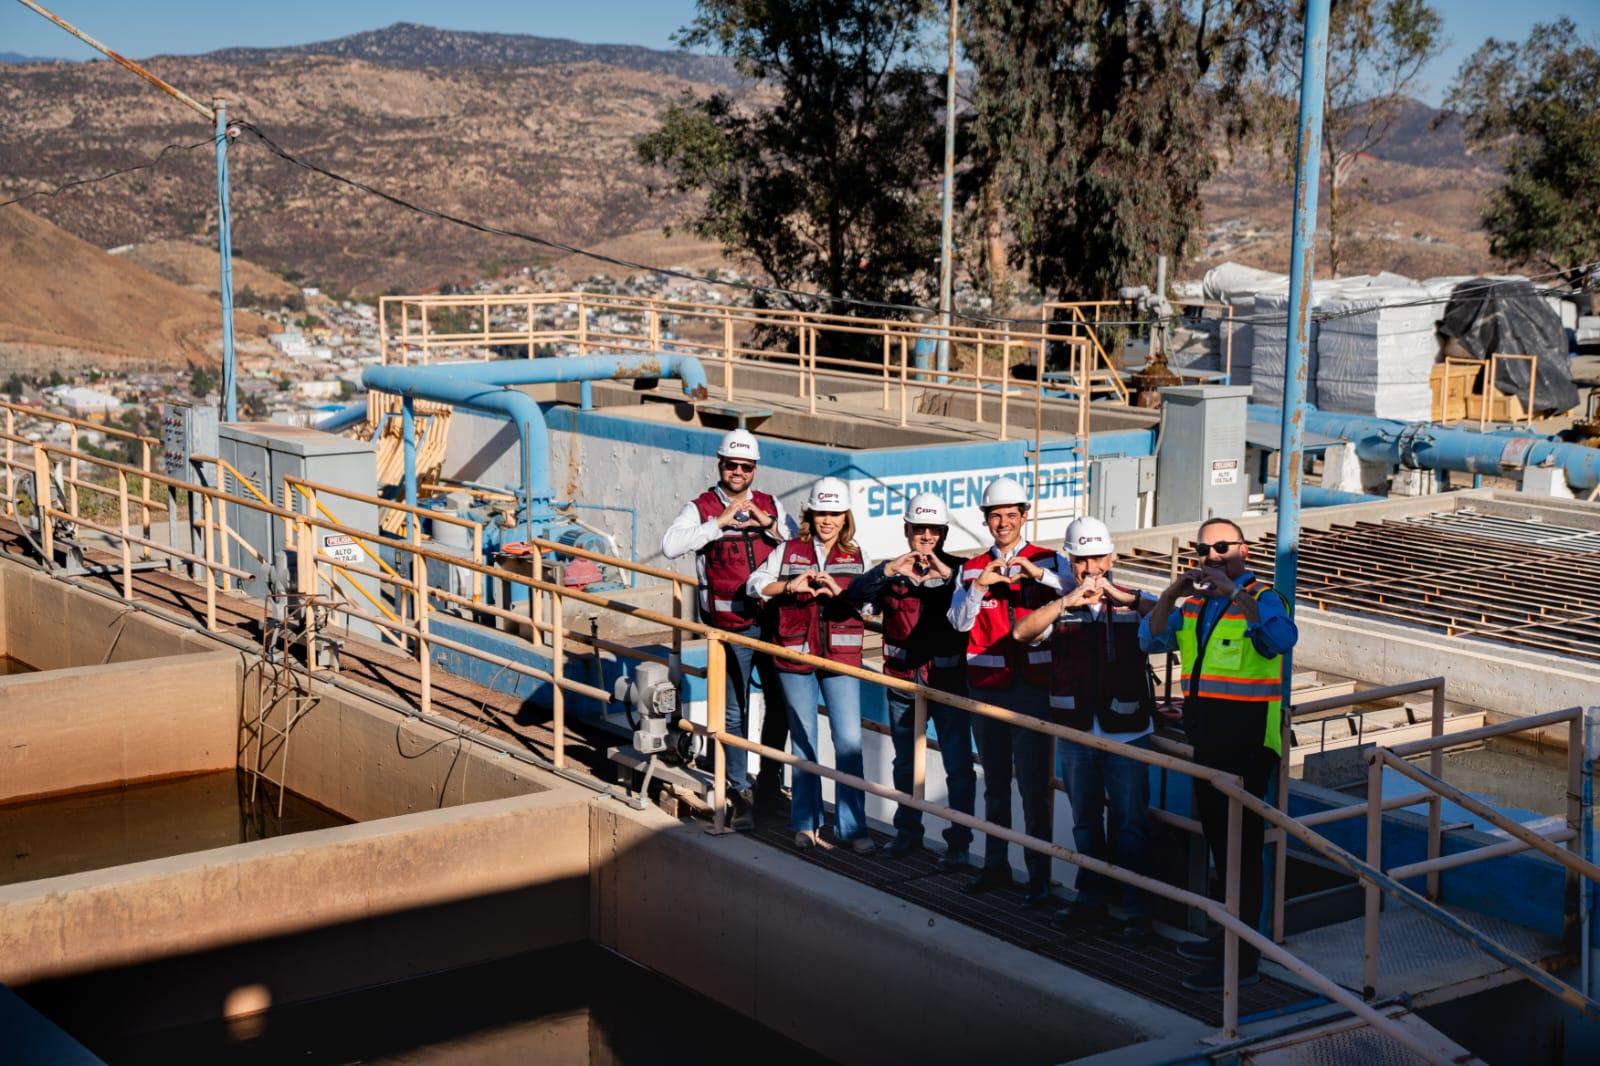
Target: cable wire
112	174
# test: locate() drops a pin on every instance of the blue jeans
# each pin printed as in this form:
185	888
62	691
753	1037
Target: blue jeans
742	665
1100	783
953	727
1002	747
843	697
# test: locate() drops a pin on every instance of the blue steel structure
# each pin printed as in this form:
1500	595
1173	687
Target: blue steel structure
230	405
484	389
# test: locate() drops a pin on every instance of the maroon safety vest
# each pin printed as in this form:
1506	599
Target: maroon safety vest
825	626
728	562
993	658
1099	672
916	631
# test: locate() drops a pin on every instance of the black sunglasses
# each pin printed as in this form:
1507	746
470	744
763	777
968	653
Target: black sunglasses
1219	546
736	465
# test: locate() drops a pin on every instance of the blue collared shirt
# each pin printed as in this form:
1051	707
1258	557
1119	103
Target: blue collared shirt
1273	635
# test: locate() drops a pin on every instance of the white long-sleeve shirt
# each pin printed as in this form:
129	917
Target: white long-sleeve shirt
688	533
769	571
964	606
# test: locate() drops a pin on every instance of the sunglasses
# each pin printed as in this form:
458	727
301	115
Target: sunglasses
1219	546
737	466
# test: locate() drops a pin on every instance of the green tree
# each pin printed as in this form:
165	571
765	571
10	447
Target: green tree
1092	123
14	387
1538	104
831	181
1376	50
202	383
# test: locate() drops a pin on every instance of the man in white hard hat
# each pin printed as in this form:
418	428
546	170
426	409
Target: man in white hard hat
1012	578
732	527
1100	684
912	592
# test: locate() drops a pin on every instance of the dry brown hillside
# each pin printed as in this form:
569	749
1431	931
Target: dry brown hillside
194	266
68	303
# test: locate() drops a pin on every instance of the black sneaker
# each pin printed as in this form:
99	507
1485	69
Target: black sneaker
1136	931
1079	916
990	877
899	847
1037	895
954	859
1210	978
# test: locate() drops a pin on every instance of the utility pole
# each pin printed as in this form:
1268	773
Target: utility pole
218	117
947	210
1291	448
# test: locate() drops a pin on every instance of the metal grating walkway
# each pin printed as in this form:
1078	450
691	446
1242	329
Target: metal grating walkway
1154	971
1467	574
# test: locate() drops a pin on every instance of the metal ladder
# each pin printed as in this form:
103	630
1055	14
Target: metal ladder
279	684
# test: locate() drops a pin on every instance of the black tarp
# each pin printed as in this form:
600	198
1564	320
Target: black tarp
1486	316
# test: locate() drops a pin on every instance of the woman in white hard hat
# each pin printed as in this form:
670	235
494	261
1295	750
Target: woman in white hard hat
806	583
732	528
913	594
1100	684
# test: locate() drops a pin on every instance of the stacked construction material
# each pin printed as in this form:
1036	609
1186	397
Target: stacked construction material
1376	350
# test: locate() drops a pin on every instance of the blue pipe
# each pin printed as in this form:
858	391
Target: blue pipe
482	388
344	417
1317	496
1435	447
408	434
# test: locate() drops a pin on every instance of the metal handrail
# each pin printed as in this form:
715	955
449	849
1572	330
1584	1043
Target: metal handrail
304	531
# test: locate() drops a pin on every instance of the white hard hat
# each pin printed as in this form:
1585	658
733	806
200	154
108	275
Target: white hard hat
829	494
740	444
1088	536
1002	492
927	509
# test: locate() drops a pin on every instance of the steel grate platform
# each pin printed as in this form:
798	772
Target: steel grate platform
1465	573
1154	971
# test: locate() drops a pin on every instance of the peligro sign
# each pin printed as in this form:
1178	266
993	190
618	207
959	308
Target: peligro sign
880	504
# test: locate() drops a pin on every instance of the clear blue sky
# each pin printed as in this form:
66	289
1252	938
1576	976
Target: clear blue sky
187	26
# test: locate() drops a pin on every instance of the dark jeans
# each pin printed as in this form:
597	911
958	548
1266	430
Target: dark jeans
953	727
1228	738
1002	747
743	664
1099	783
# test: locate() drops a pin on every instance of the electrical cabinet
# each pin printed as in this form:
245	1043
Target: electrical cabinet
264	453
1118	487
1200	472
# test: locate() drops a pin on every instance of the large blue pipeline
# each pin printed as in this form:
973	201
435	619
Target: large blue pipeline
484	389
1434	447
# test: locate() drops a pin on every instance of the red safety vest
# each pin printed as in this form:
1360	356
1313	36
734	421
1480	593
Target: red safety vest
825	626
916	631
994	660
728	562
1099	672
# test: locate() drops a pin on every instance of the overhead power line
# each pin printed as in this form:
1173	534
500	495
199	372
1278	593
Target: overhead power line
146	165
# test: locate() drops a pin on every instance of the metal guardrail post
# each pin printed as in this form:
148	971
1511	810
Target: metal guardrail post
919	746
419	592
727	355
558	673
144	496
211	577
127	553
11	473
1230	939
1372	897
716	725
1571	909
1435	801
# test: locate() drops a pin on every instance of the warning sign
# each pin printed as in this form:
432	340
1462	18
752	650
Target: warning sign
341	548
1225	472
